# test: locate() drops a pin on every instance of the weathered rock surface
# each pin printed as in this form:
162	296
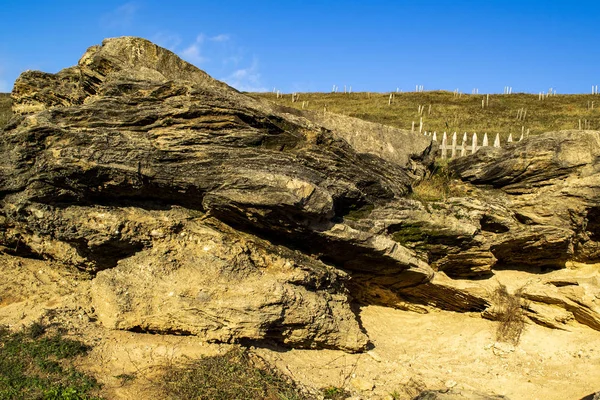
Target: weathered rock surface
551	185
543	197
200	210
222	285
531	206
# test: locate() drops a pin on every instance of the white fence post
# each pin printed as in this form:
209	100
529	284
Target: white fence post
444	146
465	148
454	145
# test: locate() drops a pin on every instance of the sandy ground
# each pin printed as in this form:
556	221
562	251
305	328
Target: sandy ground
411	352
443	350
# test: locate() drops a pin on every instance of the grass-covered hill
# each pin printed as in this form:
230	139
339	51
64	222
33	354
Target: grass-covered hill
447	111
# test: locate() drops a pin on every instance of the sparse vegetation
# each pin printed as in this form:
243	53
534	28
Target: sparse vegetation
452	113
335	393
508	309
359	213
35	364
395	395
437	186
5	109
234	375
125	378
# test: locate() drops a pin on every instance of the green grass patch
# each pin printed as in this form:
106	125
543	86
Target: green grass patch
234	375
37	365
335	393
359	213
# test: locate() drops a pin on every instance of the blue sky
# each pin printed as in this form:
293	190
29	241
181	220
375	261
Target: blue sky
311	45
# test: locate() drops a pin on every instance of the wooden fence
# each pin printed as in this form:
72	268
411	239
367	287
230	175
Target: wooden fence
450	148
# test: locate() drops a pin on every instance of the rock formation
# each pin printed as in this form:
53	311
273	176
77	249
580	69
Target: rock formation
197	209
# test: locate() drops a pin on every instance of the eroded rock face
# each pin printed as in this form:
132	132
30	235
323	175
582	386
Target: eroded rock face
109	161
532	206
551	187
214	282
200	210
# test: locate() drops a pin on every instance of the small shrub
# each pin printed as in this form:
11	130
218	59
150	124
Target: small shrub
508	310
395	395
233	375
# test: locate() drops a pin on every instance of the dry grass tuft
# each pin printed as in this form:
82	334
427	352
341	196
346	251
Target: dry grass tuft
508	309
437	186
5	109
234	375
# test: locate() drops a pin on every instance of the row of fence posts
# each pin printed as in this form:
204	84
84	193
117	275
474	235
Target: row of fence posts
464	148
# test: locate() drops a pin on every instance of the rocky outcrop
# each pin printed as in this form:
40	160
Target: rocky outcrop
531	206
542	197
551	185
224	286
198	209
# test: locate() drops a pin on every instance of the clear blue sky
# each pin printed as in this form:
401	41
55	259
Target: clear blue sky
311	45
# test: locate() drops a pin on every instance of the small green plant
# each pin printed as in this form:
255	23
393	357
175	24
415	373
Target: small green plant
334	393
508	309
233	375
35	364
395	395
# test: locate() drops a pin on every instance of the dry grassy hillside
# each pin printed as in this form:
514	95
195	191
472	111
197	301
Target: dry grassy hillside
445	111
5	111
